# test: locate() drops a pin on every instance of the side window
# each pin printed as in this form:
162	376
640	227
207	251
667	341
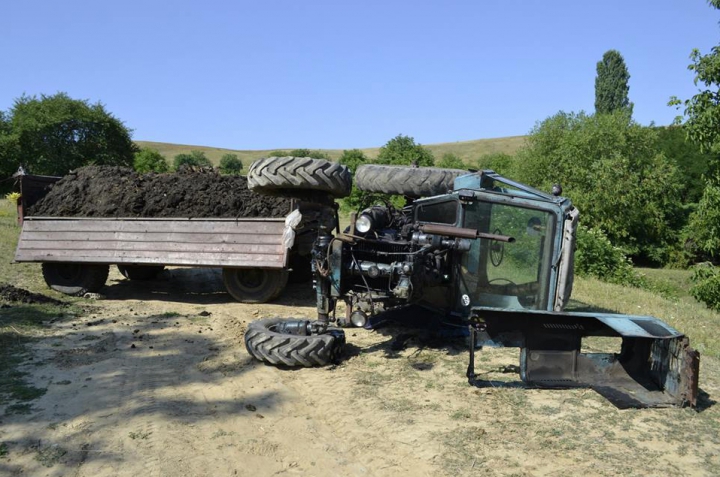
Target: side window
439	212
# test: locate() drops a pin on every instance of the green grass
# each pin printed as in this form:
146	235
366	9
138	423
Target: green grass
468	151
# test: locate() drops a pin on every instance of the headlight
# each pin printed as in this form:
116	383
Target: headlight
363	224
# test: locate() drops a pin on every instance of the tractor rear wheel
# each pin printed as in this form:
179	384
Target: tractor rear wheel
265	344
75	278
292	175
412	182
254	285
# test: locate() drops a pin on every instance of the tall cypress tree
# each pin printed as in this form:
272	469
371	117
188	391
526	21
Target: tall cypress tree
611	84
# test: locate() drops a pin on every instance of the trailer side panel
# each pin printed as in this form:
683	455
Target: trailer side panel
242	243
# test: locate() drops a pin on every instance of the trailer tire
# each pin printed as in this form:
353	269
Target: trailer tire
140	272
254	285
265	344
404	180
290	175
75	278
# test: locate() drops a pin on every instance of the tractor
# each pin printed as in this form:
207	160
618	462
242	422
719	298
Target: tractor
475	249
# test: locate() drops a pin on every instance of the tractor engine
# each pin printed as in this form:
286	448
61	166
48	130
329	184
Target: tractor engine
385	260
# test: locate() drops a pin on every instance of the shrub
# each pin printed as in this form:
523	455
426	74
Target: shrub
706	287
150	160
499	162
230	164
195	158
597	257
451	161
13	197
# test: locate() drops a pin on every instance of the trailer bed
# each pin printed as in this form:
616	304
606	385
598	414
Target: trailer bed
227	243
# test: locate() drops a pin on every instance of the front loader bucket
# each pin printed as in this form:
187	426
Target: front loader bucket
655	367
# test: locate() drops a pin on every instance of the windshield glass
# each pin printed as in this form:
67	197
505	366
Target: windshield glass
508	275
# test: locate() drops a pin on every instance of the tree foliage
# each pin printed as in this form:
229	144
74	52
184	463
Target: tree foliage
54	134
451	161
353	158
9	149
230	164
611	168
150	160
499	162
403	151
704	226
312	153
194	158
690	160
611	84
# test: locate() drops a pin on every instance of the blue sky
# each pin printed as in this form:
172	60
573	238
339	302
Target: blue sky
344	74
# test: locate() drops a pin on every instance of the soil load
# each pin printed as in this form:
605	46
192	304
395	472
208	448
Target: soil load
112	191
19	295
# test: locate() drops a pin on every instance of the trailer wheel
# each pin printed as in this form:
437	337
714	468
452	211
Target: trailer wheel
404	180
140	272
265	344
75	278
290	175
254	285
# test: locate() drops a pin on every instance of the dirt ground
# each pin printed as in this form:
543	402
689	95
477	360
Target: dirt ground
154	380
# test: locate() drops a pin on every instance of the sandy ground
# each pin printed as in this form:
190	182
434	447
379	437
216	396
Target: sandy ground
156	382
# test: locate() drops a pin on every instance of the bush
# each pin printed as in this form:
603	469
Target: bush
195	158
612	169
499	162
403	151
706	286
150	160
230	164
451	161
597	257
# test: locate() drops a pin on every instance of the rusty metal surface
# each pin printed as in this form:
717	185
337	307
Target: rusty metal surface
655	366
253	243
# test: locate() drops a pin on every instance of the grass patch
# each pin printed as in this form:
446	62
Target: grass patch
687	315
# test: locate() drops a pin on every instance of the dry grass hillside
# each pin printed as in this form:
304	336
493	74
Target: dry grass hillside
466	150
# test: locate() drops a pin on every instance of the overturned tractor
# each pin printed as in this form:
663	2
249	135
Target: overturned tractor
475	248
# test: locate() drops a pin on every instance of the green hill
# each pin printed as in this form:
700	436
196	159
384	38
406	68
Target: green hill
466	150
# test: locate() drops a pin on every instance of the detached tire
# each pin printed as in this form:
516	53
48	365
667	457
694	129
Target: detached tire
290	175
75	278
412	182
254	285
140	272
265	344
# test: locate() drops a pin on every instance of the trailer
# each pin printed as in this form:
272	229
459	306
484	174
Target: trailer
76	252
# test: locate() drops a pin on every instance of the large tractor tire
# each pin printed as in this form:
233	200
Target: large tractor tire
254	285
140	272
412	182
265	344
75	278
290	175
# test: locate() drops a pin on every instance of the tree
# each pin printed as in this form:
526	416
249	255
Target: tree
353	158
150	160
403	151
8	153
56	134
230	164
499	162
703	126
194	158
623	185
611	84
451	161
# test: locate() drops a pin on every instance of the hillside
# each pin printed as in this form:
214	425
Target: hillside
466	150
